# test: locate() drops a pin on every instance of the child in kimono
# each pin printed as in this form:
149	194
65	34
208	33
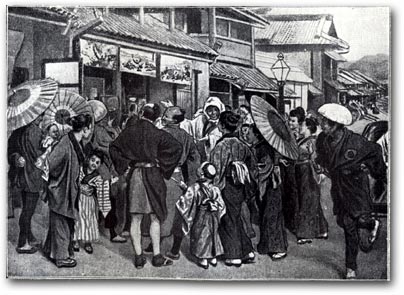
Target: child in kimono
86	225
202	207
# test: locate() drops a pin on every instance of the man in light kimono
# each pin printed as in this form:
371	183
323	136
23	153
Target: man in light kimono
347	158
148	155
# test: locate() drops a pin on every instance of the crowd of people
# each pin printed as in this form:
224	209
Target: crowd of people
210	178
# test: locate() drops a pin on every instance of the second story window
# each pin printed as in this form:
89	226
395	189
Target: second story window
233	30
222	27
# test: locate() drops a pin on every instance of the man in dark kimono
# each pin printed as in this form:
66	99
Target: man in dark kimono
348	158
149	156
236	178
187	167
24	147
104	133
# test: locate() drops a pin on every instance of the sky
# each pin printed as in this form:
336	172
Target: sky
366	29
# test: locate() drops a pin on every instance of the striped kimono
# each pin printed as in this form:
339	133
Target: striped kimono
86	225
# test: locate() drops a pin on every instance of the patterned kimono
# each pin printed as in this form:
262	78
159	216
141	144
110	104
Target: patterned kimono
86	226
202	207
311	222
236	168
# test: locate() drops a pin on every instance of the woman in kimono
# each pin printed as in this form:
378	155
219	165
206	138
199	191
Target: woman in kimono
202	207
290	201
273	238
204	127
64	170
311	222
86	226
235	178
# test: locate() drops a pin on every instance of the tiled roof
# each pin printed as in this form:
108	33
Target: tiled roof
250	79
298	30
366	77
152	31
336	85
63	11
243	76
350	78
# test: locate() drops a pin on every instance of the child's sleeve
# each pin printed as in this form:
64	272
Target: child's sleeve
220	202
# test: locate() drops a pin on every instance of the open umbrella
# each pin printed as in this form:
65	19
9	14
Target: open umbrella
66	104
273	127
28	101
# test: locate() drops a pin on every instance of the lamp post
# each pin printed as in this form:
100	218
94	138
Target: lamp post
281	71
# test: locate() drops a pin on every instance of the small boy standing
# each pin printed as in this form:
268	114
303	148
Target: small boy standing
202	207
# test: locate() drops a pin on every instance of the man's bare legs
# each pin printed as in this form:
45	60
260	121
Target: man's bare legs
136	233
155	233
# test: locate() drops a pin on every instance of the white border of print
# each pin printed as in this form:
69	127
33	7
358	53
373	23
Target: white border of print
175	287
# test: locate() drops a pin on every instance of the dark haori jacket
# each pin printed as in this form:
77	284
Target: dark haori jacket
64	171
25	142
350	183
145	143
190	158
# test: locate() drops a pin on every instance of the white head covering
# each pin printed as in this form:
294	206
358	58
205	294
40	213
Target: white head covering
336	112
213	101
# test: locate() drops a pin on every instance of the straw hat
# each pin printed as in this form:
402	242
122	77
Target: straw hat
336	113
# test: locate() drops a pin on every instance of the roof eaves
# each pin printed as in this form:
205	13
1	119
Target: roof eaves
251	15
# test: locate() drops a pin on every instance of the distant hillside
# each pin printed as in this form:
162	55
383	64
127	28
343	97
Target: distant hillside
375	66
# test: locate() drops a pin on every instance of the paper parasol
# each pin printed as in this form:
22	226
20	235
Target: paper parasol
28	101
273	127
66	104
99	110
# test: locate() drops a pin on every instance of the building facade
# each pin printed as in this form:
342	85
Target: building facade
310	42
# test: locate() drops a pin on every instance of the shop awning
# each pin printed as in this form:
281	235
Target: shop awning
248	79
336	85
335	55
314	90
353	93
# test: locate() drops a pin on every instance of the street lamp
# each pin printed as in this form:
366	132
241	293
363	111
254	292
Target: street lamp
281	71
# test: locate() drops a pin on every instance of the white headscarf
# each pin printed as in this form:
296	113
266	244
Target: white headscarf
216	102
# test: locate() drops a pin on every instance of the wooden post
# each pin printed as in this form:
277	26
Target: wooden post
252	46
172	19
281	102
117	85
212	26
141	15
